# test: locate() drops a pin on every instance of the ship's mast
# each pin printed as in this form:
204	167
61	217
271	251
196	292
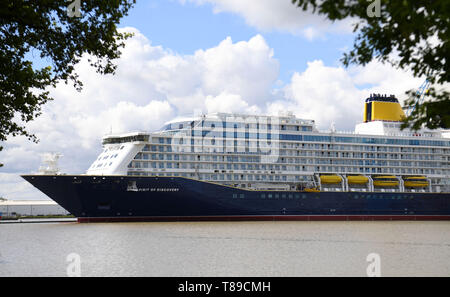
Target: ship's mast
50	163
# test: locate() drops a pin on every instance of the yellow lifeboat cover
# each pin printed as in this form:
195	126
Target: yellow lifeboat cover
330	179
415	181
357	179
385	181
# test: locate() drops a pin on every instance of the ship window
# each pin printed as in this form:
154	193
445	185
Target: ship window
235	195
241	196
277	196
263	196
269	196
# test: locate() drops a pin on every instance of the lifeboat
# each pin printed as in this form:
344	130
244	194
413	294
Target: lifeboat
415	181
330	179
315	190
357	179
385	181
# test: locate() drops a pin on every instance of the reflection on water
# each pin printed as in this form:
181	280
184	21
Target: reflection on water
226	248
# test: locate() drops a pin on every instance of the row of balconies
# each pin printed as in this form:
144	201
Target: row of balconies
241	149
310	154
198	140
317	160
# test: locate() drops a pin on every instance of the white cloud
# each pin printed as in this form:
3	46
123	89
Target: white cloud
125	116
152	85
335	94
245	68
279	15
324	94
231	103
13	186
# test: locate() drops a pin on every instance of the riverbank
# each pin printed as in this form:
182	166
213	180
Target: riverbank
38	219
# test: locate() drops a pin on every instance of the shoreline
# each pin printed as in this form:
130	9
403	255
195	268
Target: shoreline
38	220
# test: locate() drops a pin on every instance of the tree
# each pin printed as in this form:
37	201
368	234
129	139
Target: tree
60	32
409	34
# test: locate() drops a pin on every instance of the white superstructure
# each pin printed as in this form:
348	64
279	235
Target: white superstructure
280	151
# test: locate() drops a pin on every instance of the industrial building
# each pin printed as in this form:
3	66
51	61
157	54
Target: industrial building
31	208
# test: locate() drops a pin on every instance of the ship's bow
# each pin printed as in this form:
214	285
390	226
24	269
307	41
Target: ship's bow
60	188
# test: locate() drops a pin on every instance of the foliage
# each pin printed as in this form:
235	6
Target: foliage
43	29
432	114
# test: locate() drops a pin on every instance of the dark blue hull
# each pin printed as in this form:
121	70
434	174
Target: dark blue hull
126	198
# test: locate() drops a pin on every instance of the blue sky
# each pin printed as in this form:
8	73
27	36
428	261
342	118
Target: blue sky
187	27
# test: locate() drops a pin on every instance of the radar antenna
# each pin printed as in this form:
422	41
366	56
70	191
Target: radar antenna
50	163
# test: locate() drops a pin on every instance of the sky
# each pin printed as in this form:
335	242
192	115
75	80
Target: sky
253	56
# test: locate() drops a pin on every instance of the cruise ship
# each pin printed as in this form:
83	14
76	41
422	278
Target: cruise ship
225	166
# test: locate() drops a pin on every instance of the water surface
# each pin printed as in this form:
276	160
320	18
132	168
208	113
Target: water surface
226	248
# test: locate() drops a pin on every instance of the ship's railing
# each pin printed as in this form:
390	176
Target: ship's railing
395	134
